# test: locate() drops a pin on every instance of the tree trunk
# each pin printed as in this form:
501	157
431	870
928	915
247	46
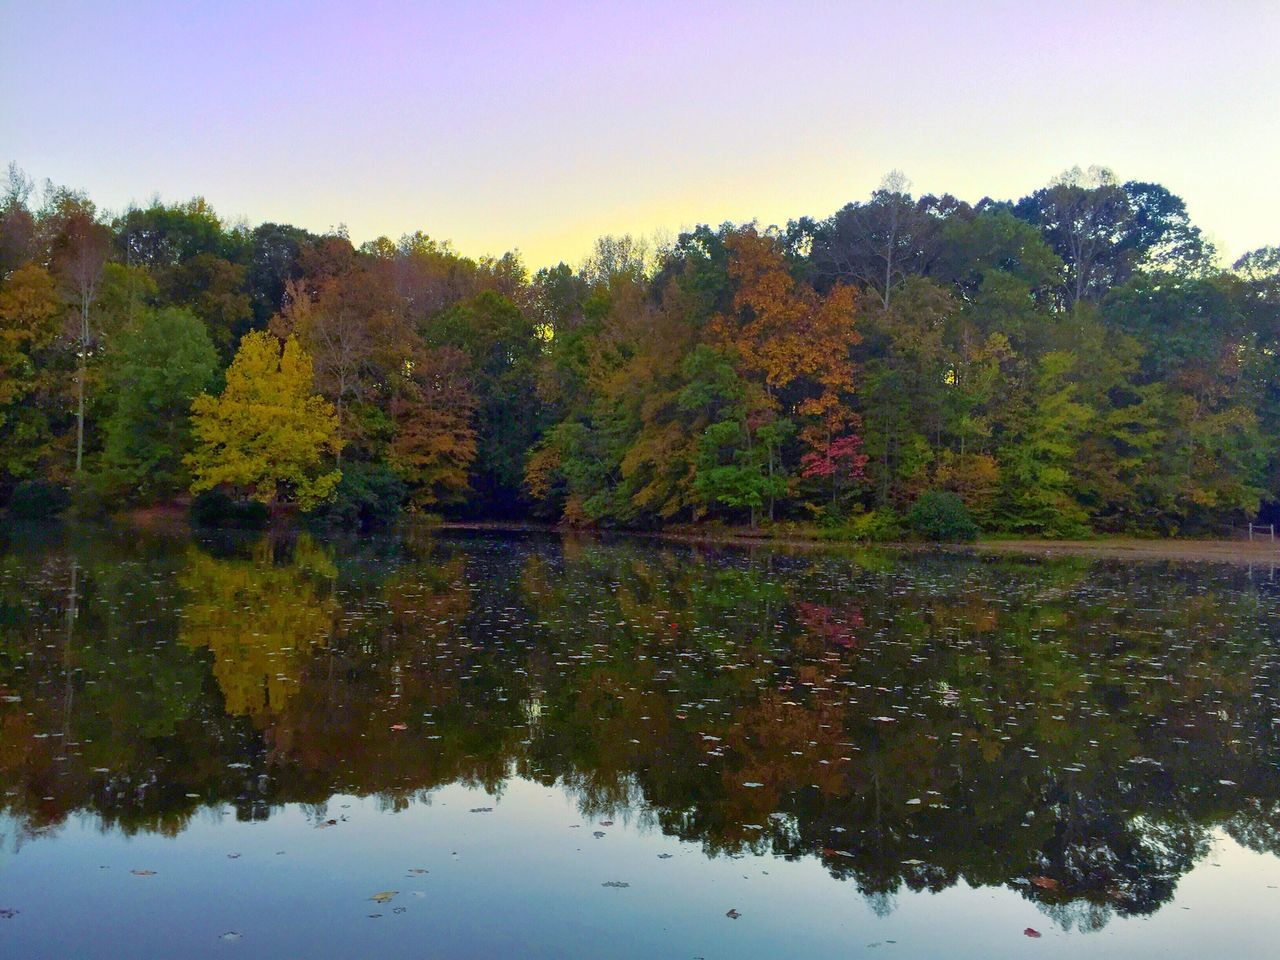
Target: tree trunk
339	405
81	372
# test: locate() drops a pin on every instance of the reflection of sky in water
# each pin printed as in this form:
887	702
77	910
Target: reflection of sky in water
857	748
526	880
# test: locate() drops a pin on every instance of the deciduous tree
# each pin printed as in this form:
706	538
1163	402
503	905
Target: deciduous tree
267	433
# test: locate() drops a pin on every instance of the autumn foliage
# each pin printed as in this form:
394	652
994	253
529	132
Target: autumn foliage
1074	361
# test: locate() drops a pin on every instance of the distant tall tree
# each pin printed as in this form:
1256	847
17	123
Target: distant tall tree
17	224
352	326
879	243
213	289
1104	230
272	256
161	236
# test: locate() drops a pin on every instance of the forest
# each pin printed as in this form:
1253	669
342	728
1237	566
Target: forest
1077	361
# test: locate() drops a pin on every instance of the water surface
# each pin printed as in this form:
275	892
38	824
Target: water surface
449	746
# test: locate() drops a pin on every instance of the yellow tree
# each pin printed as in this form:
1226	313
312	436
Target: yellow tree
267	433
29	320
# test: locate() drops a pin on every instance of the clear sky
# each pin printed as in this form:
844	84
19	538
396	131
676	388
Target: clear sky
539	126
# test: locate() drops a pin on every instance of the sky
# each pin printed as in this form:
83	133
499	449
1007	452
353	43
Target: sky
540	126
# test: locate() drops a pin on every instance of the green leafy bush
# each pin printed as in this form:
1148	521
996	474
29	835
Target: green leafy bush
368	495
37	500
941	515
213	508
94	496
876	526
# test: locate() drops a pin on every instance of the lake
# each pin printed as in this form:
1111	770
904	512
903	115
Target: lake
485	745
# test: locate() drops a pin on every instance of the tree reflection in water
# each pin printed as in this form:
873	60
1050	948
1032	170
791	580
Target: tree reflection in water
1074	729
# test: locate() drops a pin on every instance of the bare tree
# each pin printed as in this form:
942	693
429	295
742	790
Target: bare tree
86	246
877	243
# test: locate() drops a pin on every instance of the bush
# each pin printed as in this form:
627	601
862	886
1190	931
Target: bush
213	508
368	495
876	526
94	497
37	500
941	515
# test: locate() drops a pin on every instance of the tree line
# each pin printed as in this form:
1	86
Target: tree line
1076	360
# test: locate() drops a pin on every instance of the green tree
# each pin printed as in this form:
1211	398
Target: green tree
157	367
1038	463
503	348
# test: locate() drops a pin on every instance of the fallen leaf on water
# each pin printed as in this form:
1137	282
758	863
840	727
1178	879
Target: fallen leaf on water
1045	883
399	726
1031	932
384	896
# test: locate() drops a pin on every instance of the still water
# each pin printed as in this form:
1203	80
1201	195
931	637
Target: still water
495	746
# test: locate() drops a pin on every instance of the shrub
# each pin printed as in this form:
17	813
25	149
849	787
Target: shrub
213	508
368	495
876	526
37	500
94	497
941	515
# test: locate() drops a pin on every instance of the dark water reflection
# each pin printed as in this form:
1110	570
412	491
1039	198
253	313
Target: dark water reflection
1075	736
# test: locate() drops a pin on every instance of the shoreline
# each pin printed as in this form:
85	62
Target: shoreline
1240	552
1106	548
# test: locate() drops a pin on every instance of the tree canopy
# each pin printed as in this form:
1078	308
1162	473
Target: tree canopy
1074	360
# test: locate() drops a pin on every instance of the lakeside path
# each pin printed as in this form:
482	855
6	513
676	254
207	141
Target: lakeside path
1242	552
